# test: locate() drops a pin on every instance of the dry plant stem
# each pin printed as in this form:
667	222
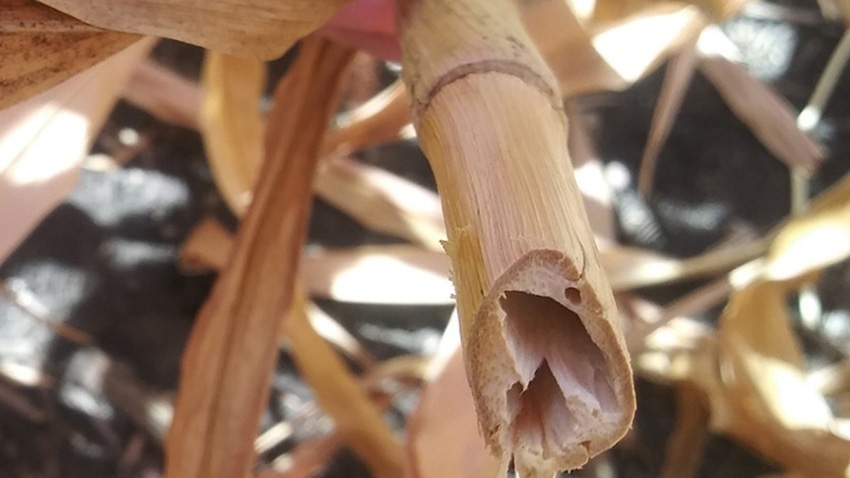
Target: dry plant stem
228	361
547	363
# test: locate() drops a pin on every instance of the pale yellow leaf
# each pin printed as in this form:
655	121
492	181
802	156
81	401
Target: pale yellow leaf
231	124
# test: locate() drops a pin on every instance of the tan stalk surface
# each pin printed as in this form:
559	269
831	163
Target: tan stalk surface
545	354
261	28
229	358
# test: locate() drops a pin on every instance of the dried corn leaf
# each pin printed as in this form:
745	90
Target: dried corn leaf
568	49
29	16
379	120
228	361
632	268
769	116
443	438
231	124
816	239
208	247
609	55
680	70
33	62
684	448
307	460
44	140
383	201
262	29
164	94
357	420
761	396
370	275
608	11
381	275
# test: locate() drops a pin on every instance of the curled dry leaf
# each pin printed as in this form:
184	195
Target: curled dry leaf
44	140
547	363
762	397
262	29
228	361
231	124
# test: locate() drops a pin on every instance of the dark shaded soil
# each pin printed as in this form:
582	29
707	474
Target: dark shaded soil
104	262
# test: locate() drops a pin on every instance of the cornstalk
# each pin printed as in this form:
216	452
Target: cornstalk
544	352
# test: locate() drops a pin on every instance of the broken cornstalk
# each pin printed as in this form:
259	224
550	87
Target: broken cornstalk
544	352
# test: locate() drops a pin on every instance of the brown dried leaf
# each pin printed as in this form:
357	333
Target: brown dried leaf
228	360
29	16
44	140
357	420
262	29
33	62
